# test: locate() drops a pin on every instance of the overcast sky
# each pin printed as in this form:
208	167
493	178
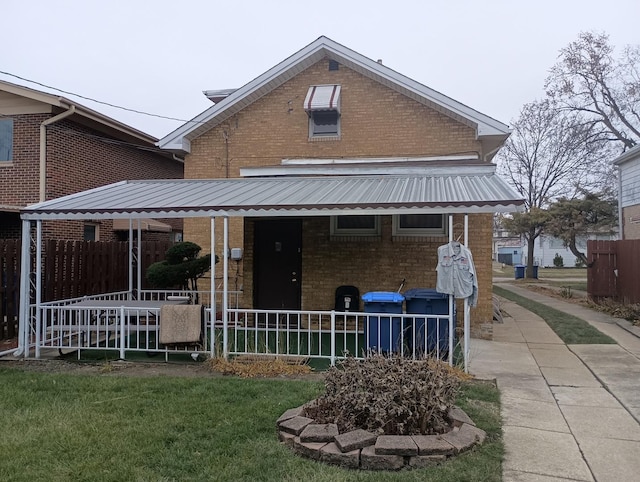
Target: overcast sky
158	56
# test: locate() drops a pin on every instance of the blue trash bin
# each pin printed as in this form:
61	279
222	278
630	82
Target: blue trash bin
428	335
383	333
535	271
518	271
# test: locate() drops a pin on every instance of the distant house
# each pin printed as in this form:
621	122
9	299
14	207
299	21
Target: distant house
51	146
629	193
326	123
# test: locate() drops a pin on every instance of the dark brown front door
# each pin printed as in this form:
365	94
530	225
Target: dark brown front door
278	261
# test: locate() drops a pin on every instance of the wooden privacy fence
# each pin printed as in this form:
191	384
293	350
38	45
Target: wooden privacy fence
9	287
614	270
70	269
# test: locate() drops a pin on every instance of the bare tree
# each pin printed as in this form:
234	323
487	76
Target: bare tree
551	153
605	90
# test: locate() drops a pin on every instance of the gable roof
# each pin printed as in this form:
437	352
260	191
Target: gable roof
82	114
630	155
455	189
491	131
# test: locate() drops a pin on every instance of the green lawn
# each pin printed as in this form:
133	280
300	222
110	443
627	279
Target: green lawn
572	330
543	273
60	427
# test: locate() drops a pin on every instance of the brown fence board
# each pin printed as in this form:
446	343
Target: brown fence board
601	280
629	271
614	270
70	269
9	287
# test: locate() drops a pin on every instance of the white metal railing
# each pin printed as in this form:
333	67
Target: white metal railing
70	325
332	335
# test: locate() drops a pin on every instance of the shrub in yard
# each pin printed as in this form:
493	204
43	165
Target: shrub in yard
390	395
558	262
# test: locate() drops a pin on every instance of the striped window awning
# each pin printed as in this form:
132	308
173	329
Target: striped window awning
322	97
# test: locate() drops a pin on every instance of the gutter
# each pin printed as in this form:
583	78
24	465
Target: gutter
43	148
621	222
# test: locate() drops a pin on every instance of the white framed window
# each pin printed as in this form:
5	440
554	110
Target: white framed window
322	104
419	225
91	232
6	140
355	225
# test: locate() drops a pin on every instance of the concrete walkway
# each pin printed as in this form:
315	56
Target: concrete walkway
570	412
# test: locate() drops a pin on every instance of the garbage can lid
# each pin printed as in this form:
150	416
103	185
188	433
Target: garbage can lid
423	293
382	297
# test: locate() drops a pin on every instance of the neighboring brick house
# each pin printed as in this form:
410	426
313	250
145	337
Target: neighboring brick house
324	111
629	193
83	149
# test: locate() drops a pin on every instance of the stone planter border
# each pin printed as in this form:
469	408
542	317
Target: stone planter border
359	449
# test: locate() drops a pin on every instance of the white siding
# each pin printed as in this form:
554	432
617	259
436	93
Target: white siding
630	181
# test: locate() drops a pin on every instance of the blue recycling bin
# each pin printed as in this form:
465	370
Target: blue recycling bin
383	333
428	335
518	271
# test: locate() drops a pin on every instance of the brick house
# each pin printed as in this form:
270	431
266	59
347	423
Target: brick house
629	193
51	146
329	111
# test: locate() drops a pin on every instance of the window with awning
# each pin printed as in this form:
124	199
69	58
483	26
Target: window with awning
322	103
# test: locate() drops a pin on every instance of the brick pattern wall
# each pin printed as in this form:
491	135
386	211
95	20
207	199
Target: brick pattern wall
78	158
375	122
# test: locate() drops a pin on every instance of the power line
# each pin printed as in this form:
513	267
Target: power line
95	100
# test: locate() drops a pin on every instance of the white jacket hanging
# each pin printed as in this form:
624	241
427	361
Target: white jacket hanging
456	272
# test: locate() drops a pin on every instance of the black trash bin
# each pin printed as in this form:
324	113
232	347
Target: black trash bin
428	335
383	333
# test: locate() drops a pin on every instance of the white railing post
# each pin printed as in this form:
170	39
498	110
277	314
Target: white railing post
122	337
451	329
333	336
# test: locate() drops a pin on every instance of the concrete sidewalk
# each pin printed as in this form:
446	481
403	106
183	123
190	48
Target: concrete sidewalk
570	412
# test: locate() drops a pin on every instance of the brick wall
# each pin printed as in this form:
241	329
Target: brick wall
78	158
375	122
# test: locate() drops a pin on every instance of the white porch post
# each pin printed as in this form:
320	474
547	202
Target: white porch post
225	289
451	303
130	258
467	321
25	274
213	287
38	285
138	261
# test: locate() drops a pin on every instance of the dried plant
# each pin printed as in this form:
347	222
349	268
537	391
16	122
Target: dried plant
390	395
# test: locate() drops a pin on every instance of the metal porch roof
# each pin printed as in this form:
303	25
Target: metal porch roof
470	189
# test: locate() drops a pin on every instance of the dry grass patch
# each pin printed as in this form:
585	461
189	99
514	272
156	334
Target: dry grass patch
261	366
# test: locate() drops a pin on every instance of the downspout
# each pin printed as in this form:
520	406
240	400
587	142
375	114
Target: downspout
620	218
43	149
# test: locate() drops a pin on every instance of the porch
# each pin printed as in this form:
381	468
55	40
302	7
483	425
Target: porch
118	322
